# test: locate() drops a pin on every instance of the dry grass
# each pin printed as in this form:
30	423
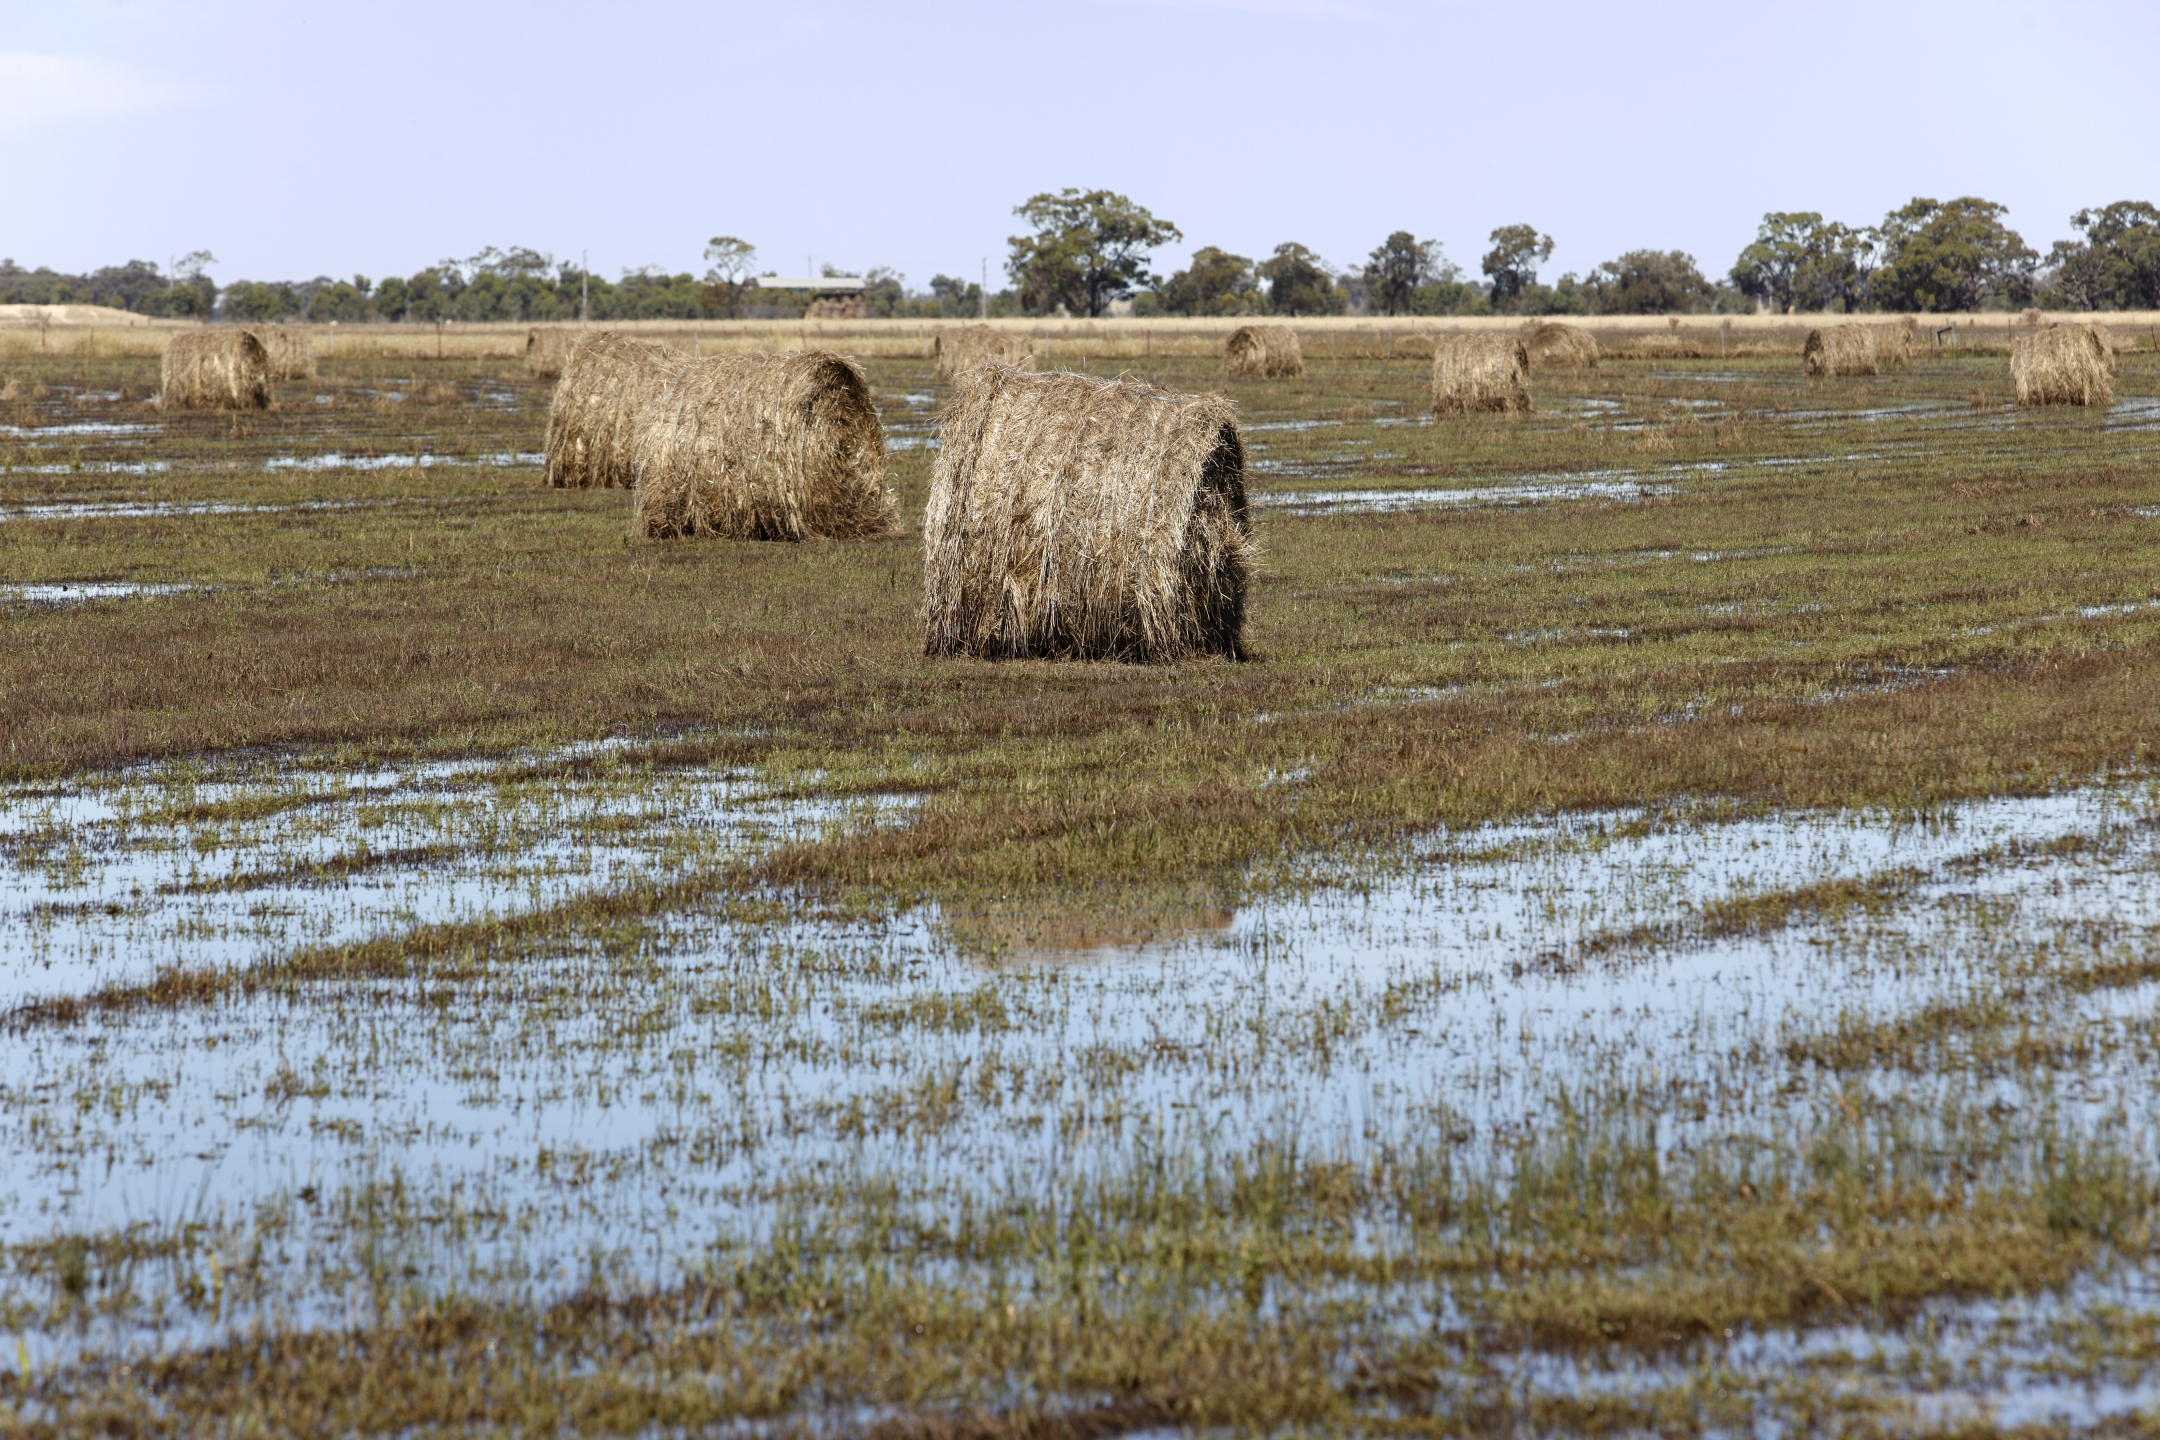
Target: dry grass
763	447
2061	365
1839	350
1263	352
547	348
1550	343
1475	373
592	423
961	350
1078	518
291	351
215	370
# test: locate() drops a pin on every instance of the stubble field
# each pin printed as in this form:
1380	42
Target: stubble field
1664	935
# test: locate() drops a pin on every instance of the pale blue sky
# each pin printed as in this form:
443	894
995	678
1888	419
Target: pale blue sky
297	139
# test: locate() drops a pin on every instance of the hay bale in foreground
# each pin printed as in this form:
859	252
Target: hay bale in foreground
547	348
1838	350
1264	352
216	369
1076	518
606	381
1480	372
763	447
961	350
2060	365
291	351
1553	344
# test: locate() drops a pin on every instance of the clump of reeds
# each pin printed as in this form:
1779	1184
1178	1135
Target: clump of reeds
1551	343
763	447
1264	352
547	347
290	348
1838	350
2061	365
961	350
1480	372
606	381
1076	518
215	369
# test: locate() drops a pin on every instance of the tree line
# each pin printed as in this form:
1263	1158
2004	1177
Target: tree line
1088	251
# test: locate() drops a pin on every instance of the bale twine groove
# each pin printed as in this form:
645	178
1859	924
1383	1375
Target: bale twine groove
763	447
1480	372
1076	518
216	369
592	420
1263	352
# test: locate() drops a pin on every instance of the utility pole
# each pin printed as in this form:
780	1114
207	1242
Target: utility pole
584	285
982	291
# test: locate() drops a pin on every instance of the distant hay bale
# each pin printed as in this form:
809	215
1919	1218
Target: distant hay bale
1551	344
215	369
546	348
1838	350
963	349
606	381
1263	352
763	447
1893	344
2061	365
1480	372
1076	518
291	351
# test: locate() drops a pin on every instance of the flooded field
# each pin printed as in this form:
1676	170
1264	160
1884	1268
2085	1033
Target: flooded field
1663	937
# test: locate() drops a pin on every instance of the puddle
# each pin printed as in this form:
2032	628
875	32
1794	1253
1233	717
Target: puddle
65	595
162	509
80	427
337	460
1393	501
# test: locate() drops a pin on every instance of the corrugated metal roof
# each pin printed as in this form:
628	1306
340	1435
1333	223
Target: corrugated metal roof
828	284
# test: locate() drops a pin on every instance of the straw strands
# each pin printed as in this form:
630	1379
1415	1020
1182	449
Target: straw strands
1263	352
2061	365
291	351
763	447
547	347
1554	345
1838	350
592	422
2103	340
1480	372
1076	518
216	369
961	350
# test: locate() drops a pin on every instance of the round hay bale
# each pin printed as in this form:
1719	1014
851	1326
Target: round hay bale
1415	346
1893	344
1838	350
291	351
1263	352
214	369
1554	345
2061	365
961	350
606	381
2103	340
1076	518
763	447
1480	372
547	347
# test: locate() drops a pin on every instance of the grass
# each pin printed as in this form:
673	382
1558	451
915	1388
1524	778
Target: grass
895	1142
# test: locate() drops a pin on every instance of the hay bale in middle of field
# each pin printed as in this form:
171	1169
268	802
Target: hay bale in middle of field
2103	341
1264	352
605	383
291	351
2060	365
763	447
1838	350
214	369
1893	344
547	347
1076	518
1554	344
1480	372
963	349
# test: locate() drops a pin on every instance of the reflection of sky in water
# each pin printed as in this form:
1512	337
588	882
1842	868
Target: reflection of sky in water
1452	991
